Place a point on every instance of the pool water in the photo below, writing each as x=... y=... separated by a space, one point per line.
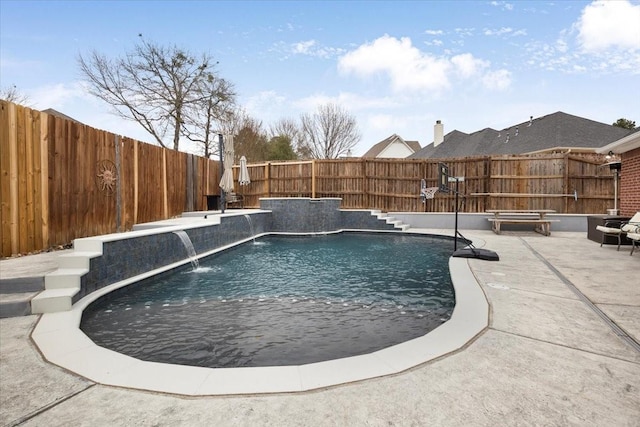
x=282 y=301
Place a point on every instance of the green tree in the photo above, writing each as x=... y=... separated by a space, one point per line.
x=280 y=149
x=624 y=123
x=289 y=128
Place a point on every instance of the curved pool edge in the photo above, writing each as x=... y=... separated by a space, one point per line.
x=61 y=342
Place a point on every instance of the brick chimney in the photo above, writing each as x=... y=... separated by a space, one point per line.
x=438 y=133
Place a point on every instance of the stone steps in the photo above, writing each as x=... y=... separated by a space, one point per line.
x=397 y=224
x=64 y=283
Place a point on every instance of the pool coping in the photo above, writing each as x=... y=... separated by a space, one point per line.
x=61 y=342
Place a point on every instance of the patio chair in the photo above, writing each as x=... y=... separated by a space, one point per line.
x=635 y=239
x=619 y=229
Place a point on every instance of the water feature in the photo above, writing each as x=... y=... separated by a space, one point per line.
x=248 y=217
x=286 y=301
x=188 y=245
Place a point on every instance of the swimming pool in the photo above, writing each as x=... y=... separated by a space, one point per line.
x=101 y=265
x=282 y=300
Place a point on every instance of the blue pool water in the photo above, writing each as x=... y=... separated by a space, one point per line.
x=282 y=301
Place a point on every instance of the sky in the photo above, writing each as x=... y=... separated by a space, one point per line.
x=396 y=66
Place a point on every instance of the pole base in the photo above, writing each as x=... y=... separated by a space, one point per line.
x=483 y=254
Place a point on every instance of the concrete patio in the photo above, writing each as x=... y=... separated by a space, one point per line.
x=561 y=349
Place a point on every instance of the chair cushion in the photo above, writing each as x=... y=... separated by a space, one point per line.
x=631 y=227
x=609 y=230
x=633 y=236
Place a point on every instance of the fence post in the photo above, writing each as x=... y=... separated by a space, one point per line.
x=269 y=179
x=365 y=184
x=313 y=179
x=116 y=141
x=190 y=180
x=164 y=185
x=13 y=180
x=566 y=182
x=44 y=177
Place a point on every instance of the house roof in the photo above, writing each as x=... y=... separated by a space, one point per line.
x=559 y=131
x=628 y=143
x=57 y=113
x=380 y=146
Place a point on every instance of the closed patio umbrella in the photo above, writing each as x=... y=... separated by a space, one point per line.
x=226 y=183
x=243 y=178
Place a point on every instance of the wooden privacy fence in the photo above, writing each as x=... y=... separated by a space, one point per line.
x=61 y=180
x=501 y=182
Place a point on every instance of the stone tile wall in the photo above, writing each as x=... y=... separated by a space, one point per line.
x=129 y=257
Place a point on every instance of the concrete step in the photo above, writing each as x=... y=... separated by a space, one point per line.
x=53 y=300
x=64 y=278
x=16 y=304
x=390 y=220
x=77 y=259
x=18 y=285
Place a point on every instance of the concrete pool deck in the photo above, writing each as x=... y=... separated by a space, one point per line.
x=547 y=358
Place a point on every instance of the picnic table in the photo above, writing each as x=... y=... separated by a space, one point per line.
x=536 y=217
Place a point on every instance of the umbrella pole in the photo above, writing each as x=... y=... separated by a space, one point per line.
x=221 y=147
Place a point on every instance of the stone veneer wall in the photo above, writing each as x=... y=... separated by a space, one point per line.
x=132 y=256
x=129 y=257
x=303 y=215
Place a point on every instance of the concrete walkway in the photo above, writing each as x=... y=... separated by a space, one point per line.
x=561 y=349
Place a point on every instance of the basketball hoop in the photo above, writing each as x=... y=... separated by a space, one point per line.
x=428 y=193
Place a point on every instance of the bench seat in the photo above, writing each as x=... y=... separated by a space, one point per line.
x=543 y=226
x=234 y=200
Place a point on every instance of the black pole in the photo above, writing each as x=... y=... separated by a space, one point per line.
x=455 y=237
x=221 y=147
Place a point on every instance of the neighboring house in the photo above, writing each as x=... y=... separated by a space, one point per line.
x=557 y=132
x=57 y=113
x=628 y=148
x=393 y=147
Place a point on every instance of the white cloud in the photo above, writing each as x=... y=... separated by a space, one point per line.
x=606 y=24
x=348 y=100
x=409 y=69
x=265 y=104
x=406 y=66
x=502 y=4
x=466 y=65
x=434 y=42
x=383 y=122
x=497 y=80
x=504 y=31
x=433 y=32
x=312 y=48
x=499 y=32
x=59 y=96
x=465 y=32
x=303 y=47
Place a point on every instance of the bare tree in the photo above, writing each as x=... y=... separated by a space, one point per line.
x=250 y=139
x=205 y=118
x=330 y=132
x=152 y=85
x=12 y=94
